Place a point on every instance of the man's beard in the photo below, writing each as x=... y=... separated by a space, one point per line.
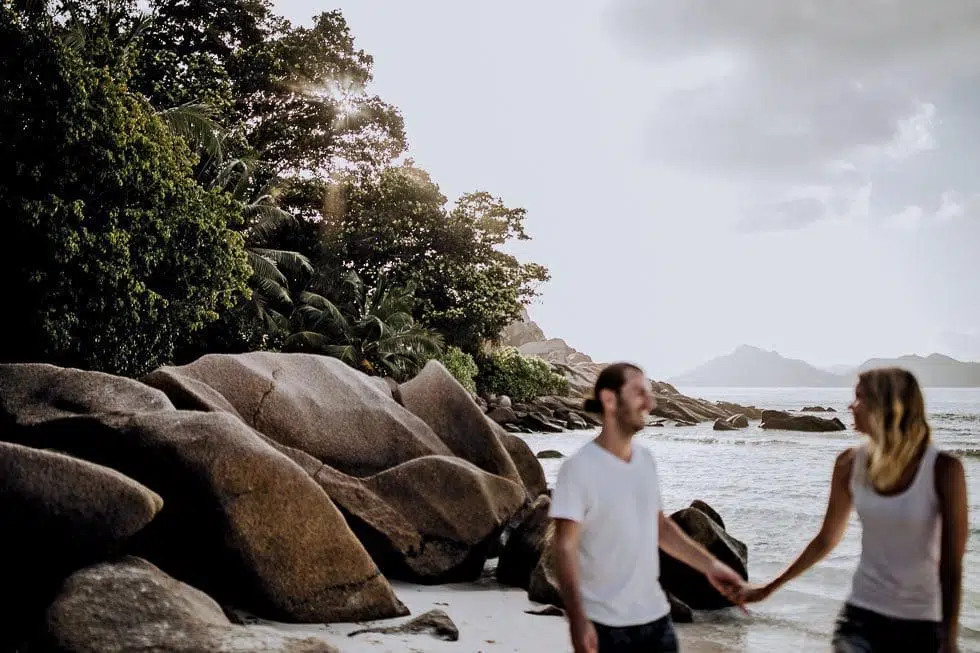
x=625 y=422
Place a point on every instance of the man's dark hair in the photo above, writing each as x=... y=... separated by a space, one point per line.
x=612 y=377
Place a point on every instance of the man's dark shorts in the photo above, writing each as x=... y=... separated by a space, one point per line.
x=654 y=637
x=861 y=631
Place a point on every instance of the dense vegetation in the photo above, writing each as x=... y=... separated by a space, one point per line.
x=208 y=177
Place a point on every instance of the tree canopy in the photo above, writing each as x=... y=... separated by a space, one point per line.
x=210 y=177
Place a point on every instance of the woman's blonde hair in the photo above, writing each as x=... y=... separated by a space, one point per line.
x=897 y=420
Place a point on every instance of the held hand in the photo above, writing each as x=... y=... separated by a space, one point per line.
x=727 y=581
x=756 y=593
x=584 y=638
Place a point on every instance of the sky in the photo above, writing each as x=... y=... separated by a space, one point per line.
x=798 y=175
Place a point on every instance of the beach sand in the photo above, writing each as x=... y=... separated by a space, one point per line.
x=490 y=618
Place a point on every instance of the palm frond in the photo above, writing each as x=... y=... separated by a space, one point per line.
x=265 y=268
x=318 y=342
x=75 y=38
x=234 y=172
x=420 y=341
x=265 y=219
x=292 y=262
x=142 y=23
x=195 y=123
x=270 y=291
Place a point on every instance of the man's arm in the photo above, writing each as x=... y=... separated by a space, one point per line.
x=566 y=568
x=678 y=544
x=951 y=487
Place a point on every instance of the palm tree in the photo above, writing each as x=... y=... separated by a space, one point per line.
x=371 y=329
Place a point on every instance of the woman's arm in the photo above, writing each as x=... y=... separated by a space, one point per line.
x=833 y=528
x=951 y=488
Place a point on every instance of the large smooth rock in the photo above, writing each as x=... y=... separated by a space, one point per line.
x=447 y=408
x=130 y=605
x=723 y=425
x=36 y=392
x=779 y=420
x=689 y=585
x=313 y=403
x=58 y=514
x=530 y=470
x=240 y=521
x=458 y=509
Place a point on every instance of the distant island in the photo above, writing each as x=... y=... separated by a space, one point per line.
x=749 y=366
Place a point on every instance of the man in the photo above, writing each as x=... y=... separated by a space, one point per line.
x=609 y=523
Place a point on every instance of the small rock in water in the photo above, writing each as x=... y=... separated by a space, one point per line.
x=435 y=622
x=550 y=453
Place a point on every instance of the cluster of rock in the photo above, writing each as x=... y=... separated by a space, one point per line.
x=551 y=414
x=139 y=513
x=783 y=421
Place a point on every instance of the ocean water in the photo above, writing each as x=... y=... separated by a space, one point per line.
x=771 y=488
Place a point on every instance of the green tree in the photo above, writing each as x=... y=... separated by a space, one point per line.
x=117 y=254
x=294 y=95
x=370 y=328
x=467 y=287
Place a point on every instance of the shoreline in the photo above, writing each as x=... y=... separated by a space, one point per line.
x=490 y=617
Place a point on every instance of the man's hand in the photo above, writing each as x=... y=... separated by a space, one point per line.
x=584 y=638
x=727 y=581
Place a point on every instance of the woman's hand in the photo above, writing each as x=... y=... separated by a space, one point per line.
x=756 y=593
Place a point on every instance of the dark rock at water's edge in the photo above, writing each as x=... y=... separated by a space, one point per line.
x=527 y=560
x=525 y=545
x=783 y=421
x=680 y=612
x=738 y=421
x=550 y=453
x=817 y=409
x=709 y=511
x=735 y=422
x=689 y=585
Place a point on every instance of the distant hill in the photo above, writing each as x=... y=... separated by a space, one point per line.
x=749 y=366
x=935 y=370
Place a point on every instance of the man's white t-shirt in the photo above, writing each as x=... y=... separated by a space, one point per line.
x=617 y=504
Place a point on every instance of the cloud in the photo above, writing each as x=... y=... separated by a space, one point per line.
x=950 y=206
x=803 y=206
x=831 y=92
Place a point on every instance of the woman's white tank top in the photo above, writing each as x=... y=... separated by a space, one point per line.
x=898 y=575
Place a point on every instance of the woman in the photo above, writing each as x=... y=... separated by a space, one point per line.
x=911 y=500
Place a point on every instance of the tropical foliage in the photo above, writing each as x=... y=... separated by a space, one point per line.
x=115 y=253
x=461 y=365
x=208 y=177
x=505 y=371
x=371 y=329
